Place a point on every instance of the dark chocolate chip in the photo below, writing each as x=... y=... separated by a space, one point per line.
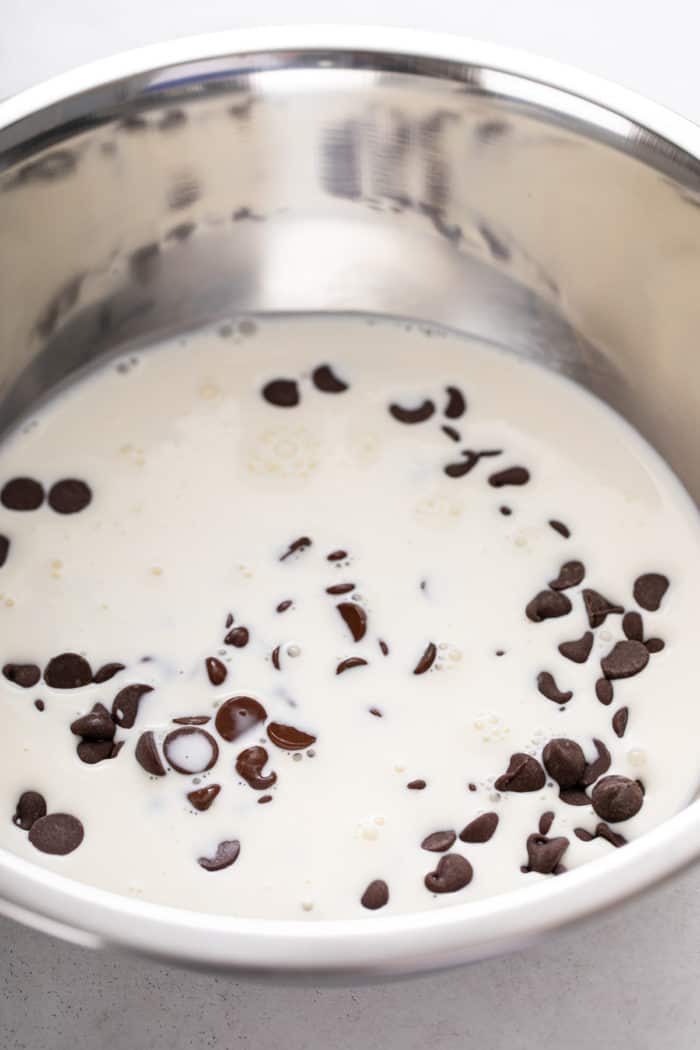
x=413 y=415
x=69 y=496
x=510 y=476
x=297 y=546
x=560 y=527
x=4 y=549
x=116 y=748
x=24 y=675
x=543 y=854
x=598 y=607
x=289 y=738
x=192 y=720
x=226 y=854
x=229 y=616
x=340 y=588
x=355 y=617
x=275 y=657
x=439 y=841
x=202 y=798
x=216 y=670
x=584 y=835
x=654 y=645
x=545 y=822
x=505 y=511
x=93 y=751
x=604 y=832
x=524 y=773
x=471 y=458
x=238 y=715
x=625 y=659
x=578 y=650
x=617 y=798
x=283 y=393
x=481 y=829
x=250 y=764
x=96 y=725
x=549 y=689
x=22 y=494
x=427 y=659
x=352 y=661
x=264 y=799
x=39 y=705
x=453 y=872
x=598 y=767
x=384 y=647
x=416 y=785
x=633 y=626
x=604 y=691
x=376 y=712
x=30 y=808
x=106 y=672
x=147 y=755
x=456 y=405
x=238 y=636
x=565 y=761
x=201 y=750
x=548 y=605
x=325 y=379
x=57 y=833
x=68 y=671
x=125 y=706
x=283 y=606
x=451 y=433
x=649 y=590
x=375 y=896
x=619 y=721
x=575 y=796
x=570 y=575
x=337 y=556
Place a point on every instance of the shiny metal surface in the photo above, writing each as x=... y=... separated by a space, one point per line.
x=426 y=182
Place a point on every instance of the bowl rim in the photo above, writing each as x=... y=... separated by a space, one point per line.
x=373 y=945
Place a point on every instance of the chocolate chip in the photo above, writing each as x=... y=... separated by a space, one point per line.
x=116 y=748
x=584 y=835
x=283 y=393
x=355 y=617
x=505 y=511
x=264 y=799
x=565 y=761
x=549 y=689
x=106 y=672
x=22 y=494
x=649 y=590
x=384 y=647
x=453 y=872
x=190 y=750
x=619 y=721
x=216 y=670
x=598 y=607
x=337 y=556
x=376 y=712
x=559 y=527
x=24 y=675
x=68 y=671
x=545 y=822
x=250 y=764
x=617 y=798
x=297 y=546
x=633 y=626
x=451 y=433
x=226 y=854
x=456 y=405
x=125 y=706
x=510 y=476
x=238 y=636
x=275 y=657
x=4 y=549
x=202 y=798
x=416 y=785
x=283 y=606
x=604 y=691
x=30 y=808
x=96 y=725
x=325 y=379
x=192 y=720
x=578 y=650
x=547 y=605
x=340 y=588
x=524 y=773
x=57 y=833
x=352 y=661
x=625 y=659
x=229 y=616
x=375 y=896
x=481 y=829
x=471 y=458
x=69 y=496
x=147 y=756
x=413 y=415
x=93 y=751
x=427 y=659
x=39 y=705
x=543 y=854
x=600 y=765
x=570 y=575
x=604 y=832
x=575 y=796
x=654 y=645
x=439 y=841
x=289 y=738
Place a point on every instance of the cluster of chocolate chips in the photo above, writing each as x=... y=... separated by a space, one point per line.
x=67 y=496
x=284 y=393
x=55 y=833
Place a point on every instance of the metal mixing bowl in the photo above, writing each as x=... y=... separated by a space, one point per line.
x=354 y=170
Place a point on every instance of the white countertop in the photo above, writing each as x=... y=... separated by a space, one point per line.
x=628 y=980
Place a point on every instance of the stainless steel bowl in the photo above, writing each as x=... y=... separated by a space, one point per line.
x=354 y=170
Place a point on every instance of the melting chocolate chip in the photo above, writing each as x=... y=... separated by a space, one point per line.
x=337 y=556
x=416 y=785
x=604 y=832
x=125 y=706
x=524 y=773
x=654 y=645
x=190 y=750
x=250 y=764
x=325 y=380
x=453 y=872
x=617 y=798
x=633 y=626
x=619 y=721
x=549 y=689
x=570 y=575
x=547 y=605
x=147 y=756
x=545 y=822
x=93 y=751
x=237 y=715
x=544 y=855
x=283 y=393
x=575 y=796
x=649 y=590
x=427 y=659
x=598 y=607
x=340 y=588
x=68 y=671
x=600 y=765
x=24 y=675
x=192 y=720
x=355 y=617
x=22 y=494
x=376 y=895
x=283 y=606
x=238 y=636
x=69 y=496
x=625 y=659
x=289 y=738
x=57 y=833
x=578 y=650
x=456 y=405
x=4 y=549
x=202 y=798
x=297 y=546
x=30 y=808
x=584 y=835
x=451 y=433
x=510 y=476
x=96 y=725
x=559 y=527
x=439 y=841
x=226 y=854
x=413 y=415
x=565 y=761
x=352 y=661
x=106 y=672
x=471 y=458
x=216 y=670
x=481 y=829
x=604 y=691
